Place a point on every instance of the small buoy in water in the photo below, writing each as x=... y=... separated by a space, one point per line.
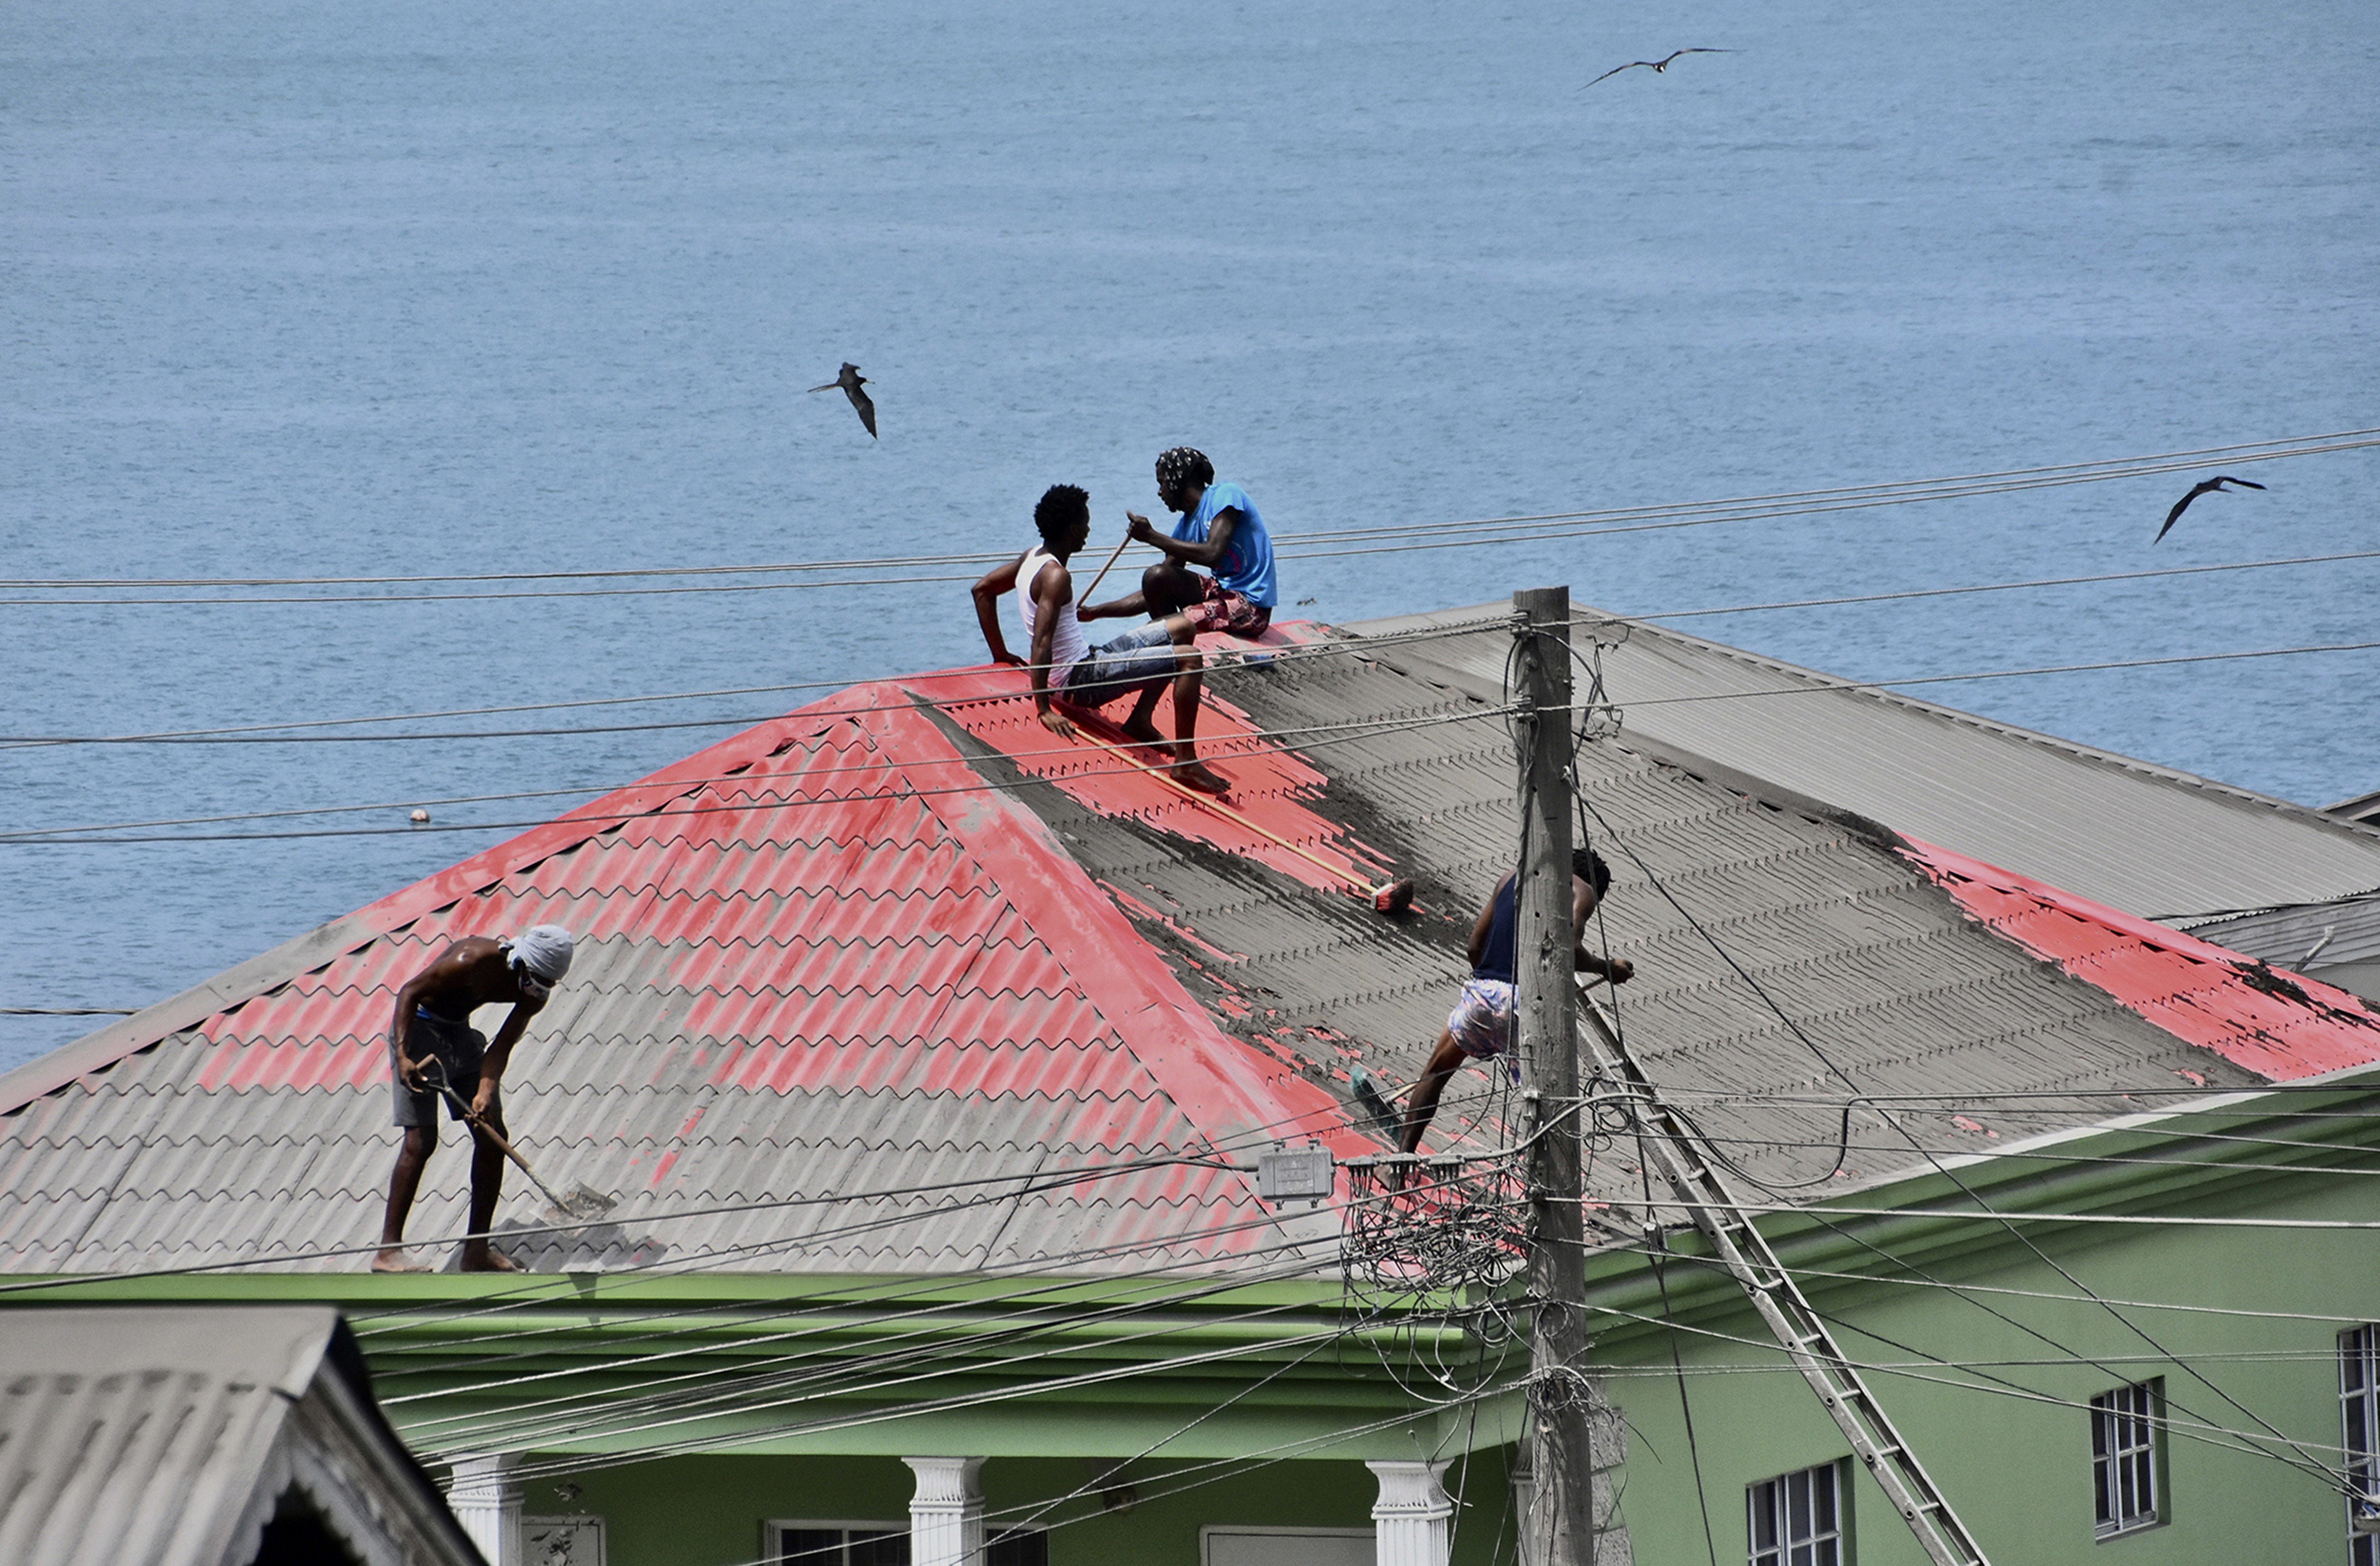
x=420 y=817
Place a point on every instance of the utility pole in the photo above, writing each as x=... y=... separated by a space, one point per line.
x=1560 y=1527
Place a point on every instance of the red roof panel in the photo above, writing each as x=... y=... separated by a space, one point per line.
x=2280 y=1025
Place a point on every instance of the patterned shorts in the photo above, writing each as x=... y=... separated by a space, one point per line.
x=1482 y=1024
x=1224 y=609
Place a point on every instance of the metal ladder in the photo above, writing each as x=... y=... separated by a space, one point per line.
x=1685 y=1163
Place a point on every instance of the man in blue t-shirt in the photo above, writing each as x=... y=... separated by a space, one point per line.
x=1221 y=531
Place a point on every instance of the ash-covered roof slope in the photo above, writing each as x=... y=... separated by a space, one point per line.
x=2148 y=840
x=1759 y=927
x=903 y=983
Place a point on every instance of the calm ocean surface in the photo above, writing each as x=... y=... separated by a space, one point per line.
x=306 y=290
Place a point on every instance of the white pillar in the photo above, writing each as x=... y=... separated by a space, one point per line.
x=946 y=1514
x=486 y=1499
x=1409 y=1519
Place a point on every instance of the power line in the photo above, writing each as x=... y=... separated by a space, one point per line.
x=1225 y=666
x=52 y=837
x=1853 y=496
x=1329 y=735
x=2008 y=587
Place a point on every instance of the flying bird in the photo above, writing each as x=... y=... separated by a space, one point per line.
x=850 y=380
x=2214 y=485
x=1656 y=66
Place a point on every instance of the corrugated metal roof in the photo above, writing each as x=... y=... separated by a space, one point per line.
x=140 y=1434
x=2145 y=839
x=818 y=959
x=823 y=958
x=2311 y=935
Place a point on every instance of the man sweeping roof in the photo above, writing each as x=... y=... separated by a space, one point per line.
x=431 y=1046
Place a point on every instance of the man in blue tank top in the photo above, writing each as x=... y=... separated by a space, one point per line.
x=1481 y=1025
x=1220 y=529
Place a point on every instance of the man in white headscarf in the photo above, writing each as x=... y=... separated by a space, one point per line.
x=432 y=1042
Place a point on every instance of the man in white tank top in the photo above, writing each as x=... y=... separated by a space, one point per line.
x=1142 y=663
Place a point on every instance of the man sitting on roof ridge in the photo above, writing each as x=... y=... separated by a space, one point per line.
x=1064 y=668
x=1481 y=1025
x=434 y=1052
x=1220 y=529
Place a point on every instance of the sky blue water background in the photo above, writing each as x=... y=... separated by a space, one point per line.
x=316 y=289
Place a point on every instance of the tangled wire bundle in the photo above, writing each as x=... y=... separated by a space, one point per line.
x=1434 y=1223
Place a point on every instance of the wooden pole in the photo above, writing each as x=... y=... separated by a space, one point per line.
x=1560 y=1527
x=1104 y=570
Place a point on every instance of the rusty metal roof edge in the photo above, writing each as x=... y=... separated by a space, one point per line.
x=2231 y=792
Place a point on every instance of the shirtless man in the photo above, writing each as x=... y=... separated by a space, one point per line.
x=1481 y=1027
x=431 y=1039
x=1066 y=669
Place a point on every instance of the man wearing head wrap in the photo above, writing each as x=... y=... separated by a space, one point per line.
x=1221 y=531
x=432 y=1041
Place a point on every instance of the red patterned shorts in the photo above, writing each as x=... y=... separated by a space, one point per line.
x=1224 y=609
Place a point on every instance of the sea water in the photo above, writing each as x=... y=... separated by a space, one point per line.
x=307 y=290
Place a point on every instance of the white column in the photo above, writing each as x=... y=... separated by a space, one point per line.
x=1409 y=1519
x=486 y=1500
x=946 y=1514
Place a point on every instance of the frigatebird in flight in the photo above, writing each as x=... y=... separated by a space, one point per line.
x=850 y=380
x=2212 y=486
x=1656 y=66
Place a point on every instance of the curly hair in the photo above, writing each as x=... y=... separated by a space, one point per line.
x=1060 y=507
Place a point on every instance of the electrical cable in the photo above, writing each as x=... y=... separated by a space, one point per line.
x=1224 y=666
x=1847 y=497
x=1240 y=746
x=2001 y=587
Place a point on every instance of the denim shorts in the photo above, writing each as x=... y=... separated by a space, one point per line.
x=1138 y=660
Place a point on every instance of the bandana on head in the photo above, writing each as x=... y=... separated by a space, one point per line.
x=543 y=949
x=1183 y=464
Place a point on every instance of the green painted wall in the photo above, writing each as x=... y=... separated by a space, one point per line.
x=2018 y=1471
x=710 y=1510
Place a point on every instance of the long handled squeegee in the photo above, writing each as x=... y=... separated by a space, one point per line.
x=582 y=1201
x=1389 y=897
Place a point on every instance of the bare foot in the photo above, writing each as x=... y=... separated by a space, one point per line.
x=487 y=1258
x=391 y=1258
x=1142 y=732
x=1196 y=774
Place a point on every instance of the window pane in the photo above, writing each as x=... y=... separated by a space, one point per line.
x=811 y=1546
x=879 y=1549
x=1823 y=1482
x=1018 y=1546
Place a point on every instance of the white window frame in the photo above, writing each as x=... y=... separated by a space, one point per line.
x=773 y=1533
x=2359 y=1420
x=2128 y=1483
x=1824 y=1541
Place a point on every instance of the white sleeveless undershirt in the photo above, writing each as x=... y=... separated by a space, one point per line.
x=1067 y=646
